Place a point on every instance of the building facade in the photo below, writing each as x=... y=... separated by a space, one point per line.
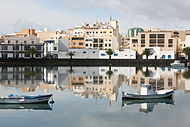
x=100 y=35
x=18 y=47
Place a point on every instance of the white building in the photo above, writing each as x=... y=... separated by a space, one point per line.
x=157 y=53
x=80 y=54
x=125 y=54
x=98 y=54
x=54 y=46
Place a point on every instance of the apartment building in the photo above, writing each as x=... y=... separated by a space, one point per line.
x=25 y=32
x=17 y=47
x=100 y=35
x=44 y=34
x=76 y=42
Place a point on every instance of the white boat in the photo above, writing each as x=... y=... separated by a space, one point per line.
x=25 y=99
x=147 y=92
x=177 y=63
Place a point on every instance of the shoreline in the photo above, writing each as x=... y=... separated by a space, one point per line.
x=86 y=62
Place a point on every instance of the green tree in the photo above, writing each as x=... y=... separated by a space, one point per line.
x=110 y=52
x=71 y=54
x=109 y=72
x=32 y=51
x=186 y=74
x=187 y=51
x=147 y=52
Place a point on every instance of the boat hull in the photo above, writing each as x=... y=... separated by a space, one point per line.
x=21 y=100
x=140 y=97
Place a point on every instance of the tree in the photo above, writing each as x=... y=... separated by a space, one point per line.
x=71 y=54
x=32 y=51
x=147 y=52
x=186 y=74
x=187 y=51
x=109 y=72
x=110 y=52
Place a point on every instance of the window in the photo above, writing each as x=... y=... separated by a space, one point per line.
x=160 y=45
x=9 y=41
x=55 y=48
x=142 y=35
x=15 y=47
x=4 y=55
x=38 y=55
x=170 y=45
x=109 y=45
x=81 y=43
x=170 y=41
x=142 y=45
x=39 y=47
x=103 y=54
x=94 y=52
x=115 y=54
x=4 y=47
x=134 y=40
x=152 y=41
x=86 y=45
x=142 y=41
x=169 y=57
x=161 y=36
x=101 y=40
x=163 y=56
x=161 y=41
x=95 y=45
x=26 y=47
x=84 y=51
x=95 y=40
x=32 y=42
x=25 y=42
x=152 y=35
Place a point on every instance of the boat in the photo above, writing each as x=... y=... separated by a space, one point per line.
x=147 y=92
x=25 y=99
x=37 y=106
x=177 y=63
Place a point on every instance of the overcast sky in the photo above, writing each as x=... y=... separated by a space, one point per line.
x=64 y=14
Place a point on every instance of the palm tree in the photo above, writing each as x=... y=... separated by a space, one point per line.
x=109 y=72
x=187 y=51
x=71 y=54
x=110 y=52
x=186 y=75
x=32 y=51
x=147 y=52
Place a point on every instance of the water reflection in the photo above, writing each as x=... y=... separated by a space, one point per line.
x=26 y=106
x=93 y=82
x=147 y=106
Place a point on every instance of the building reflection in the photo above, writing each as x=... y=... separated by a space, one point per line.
x=93 y=82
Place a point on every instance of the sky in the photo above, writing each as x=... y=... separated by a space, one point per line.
x=65 y=14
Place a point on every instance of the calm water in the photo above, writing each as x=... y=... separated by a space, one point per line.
x=91 y=97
